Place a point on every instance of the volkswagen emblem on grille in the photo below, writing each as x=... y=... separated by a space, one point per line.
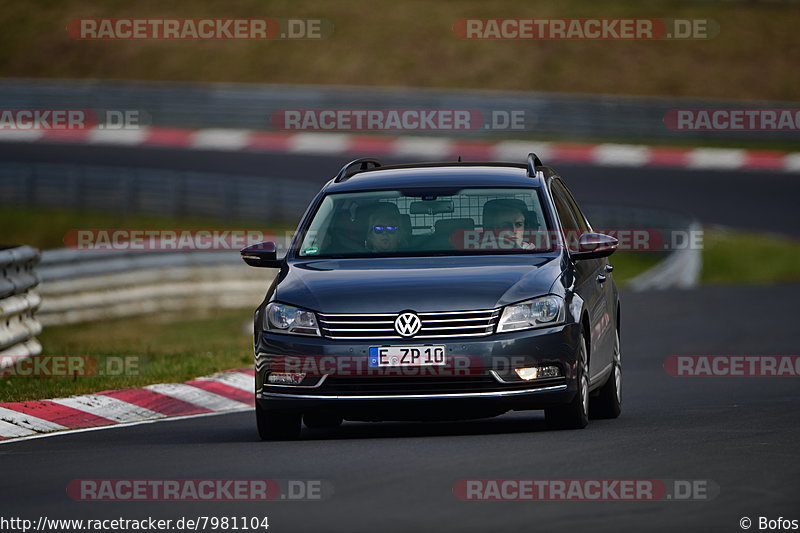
x=407 y=324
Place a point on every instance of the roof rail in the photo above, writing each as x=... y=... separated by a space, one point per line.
x=533 y=162
x=346 y=171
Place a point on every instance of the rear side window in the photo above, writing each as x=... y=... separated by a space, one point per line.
x=572 y=220
x=573 y=205
x=565 y=214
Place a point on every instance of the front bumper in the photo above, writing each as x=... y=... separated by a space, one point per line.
x=485 y=385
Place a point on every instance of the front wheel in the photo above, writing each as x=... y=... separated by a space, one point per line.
x=575 y=414
x=277 y=425
x=608 y=404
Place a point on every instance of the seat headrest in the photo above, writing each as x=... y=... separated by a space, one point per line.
x=449 y=225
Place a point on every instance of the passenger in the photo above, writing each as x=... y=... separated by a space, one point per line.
x=383 y=228
x=506 y=218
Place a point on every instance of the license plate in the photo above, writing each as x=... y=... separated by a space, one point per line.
x=406 y=355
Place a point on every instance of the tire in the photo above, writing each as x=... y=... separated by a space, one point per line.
x=608 y=404
x=573 y=415
x=277 y=425
x=321 y=420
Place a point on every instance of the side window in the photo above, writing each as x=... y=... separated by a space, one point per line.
x=565 y=215
x=573 y=205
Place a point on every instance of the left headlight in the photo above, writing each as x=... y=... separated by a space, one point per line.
x=282 y=318
x=538 y=312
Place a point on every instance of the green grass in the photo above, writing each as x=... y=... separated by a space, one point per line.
x=629 y=264
x=738 y=257
x=166 y=349
x=411 y=43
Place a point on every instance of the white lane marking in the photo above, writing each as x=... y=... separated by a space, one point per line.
x=27 y=421
x=7 y=429
x=711 y=158
x=220 y=139
x=519 y=150
x=124 y=425
x=791 y=162
x=21 y=135
x=128 y=137
x=437 y=148
x=196 y=396
x=628 y=155
x=238 y=380
x=319 y=143
x=108 y=407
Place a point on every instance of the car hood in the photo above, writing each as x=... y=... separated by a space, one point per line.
x=388 y=285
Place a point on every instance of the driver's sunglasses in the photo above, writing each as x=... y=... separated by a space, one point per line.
x=381 y=229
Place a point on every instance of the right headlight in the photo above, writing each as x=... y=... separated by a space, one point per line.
x=538 y=312
x=282 y=318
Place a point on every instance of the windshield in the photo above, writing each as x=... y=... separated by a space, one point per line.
x=390 y=223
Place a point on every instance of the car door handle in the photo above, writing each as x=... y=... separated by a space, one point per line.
x=609 y=268
x=601 y=278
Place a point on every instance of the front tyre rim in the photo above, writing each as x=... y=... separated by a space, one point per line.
x=618 y=370
x=584 y=384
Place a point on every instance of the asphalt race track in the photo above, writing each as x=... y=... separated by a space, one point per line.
x=737 y=434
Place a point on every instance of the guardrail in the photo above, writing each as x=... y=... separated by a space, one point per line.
x=251 y=106
x=18 y=304
x=80 y=286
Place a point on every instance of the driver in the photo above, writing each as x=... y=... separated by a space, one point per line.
x=383 y=228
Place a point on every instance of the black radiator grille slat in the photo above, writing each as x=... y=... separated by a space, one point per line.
x=434 y=325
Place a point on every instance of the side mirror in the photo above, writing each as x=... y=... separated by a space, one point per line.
x=594 y=245
x=263 y=254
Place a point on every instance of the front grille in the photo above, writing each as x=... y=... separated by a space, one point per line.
x=434 y=325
